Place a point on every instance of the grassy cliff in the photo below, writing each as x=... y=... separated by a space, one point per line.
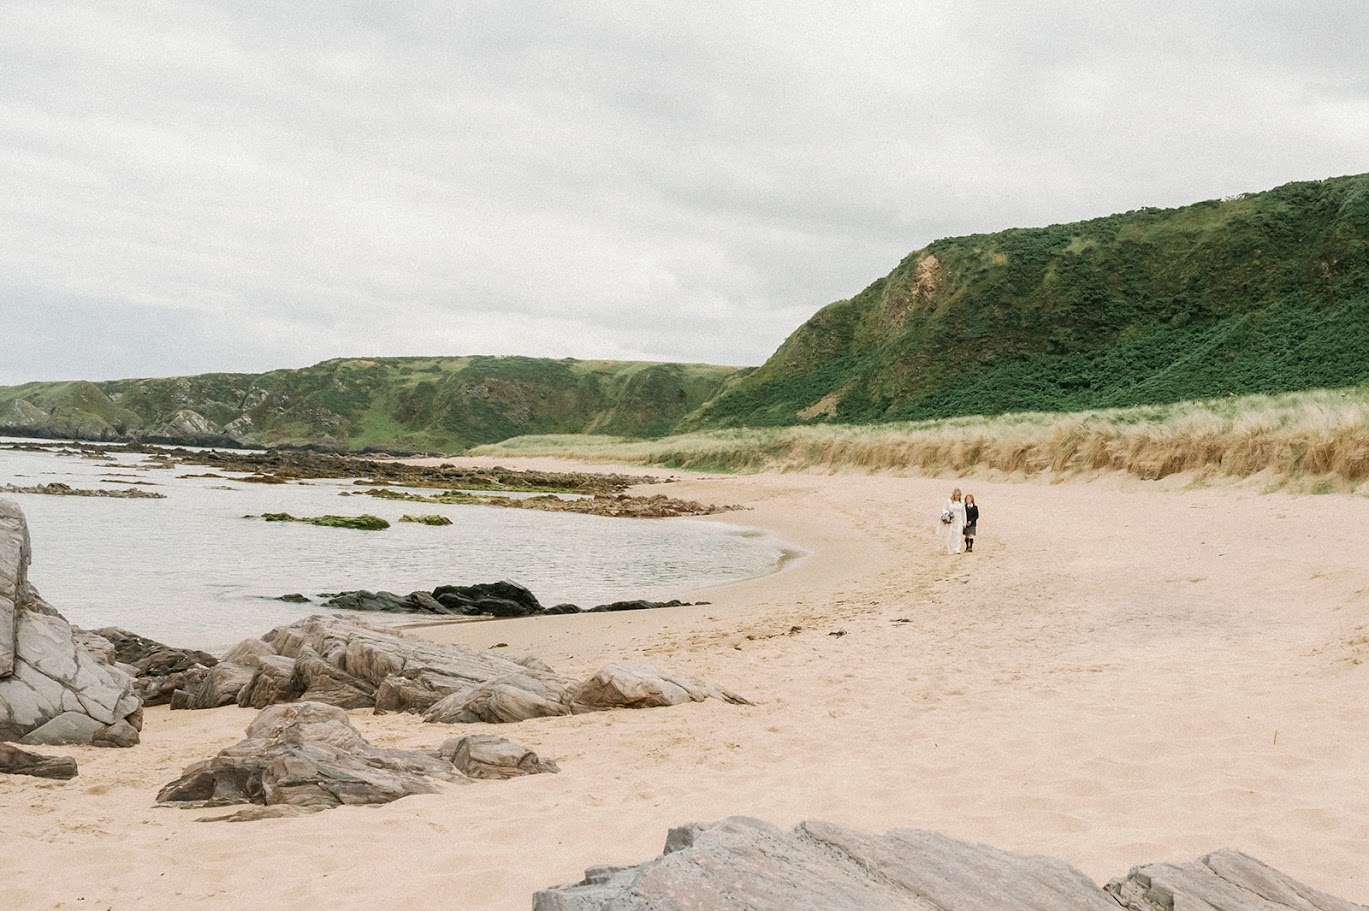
x=415 y=404
x=1259 y=293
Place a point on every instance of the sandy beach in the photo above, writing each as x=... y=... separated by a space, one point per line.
x=1122 y=672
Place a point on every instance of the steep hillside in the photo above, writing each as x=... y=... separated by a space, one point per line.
x=1258 y=293
x=414 y=404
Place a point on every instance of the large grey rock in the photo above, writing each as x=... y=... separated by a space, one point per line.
x=818 y=866
x=14 y=761
x=512 y=697
x=306 y=755
x=491 y=756
x=633 y=685
x=746 y=863
x=14 y=561
x=414 y=673
x=1222 y=880
x=54 y=691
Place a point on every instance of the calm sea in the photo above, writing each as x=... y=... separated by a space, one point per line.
x=191 y=571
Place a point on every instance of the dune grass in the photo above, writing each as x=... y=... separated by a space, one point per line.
x=1319 y=439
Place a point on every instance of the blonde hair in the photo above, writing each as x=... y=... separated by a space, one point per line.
x=955 y=494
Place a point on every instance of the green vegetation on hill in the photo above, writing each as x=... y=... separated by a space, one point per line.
x=414 y=404
x=1260 y=293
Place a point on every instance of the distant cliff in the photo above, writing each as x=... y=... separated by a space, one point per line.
x=398 y=404
x=1265 y=292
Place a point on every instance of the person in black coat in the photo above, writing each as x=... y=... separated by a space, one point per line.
x=971 y=517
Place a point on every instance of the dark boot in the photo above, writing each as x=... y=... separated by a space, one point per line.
x=969 y=545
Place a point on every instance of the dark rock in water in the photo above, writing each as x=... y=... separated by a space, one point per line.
x=307 y=755
x=14 y=761
x=485 y=599
x=389 y=602
x=498 y=599
x=819 y=866
x=634 y=605
x=294 y=598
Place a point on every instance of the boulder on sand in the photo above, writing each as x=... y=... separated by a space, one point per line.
x=633 y=685
x=305 y=755
x=14 y=761
x=817 y=866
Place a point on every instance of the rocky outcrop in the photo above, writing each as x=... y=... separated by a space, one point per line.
x=1224 y=879
x=484 y=599
x=348 y=664
x=158 y=670
x=307 y=756
x=14 y=761
x=817 y=866
x=52 y=691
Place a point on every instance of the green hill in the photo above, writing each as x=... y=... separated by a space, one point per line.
x=1259 y=293
x=412 y=404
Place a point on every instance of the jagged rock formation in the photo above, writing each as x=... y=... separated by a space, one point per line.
x=307 y=756
x=52 y=690
x=352 y=665
x=818 y=866
x=157 y=669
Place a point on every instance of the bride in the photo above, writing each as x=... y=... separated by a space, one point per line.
x=953 y=522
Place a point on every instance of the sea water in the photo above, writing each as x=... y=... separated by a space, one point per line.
x=191 y=570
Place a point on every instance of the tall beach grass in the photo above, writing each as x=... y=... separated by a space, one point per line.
x=1320 y=436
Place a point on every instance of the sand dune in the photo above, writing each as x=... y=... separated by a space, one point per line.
x=1121 y=673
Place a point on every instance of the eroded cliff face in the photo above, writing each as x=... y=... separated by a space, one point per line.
x=52 y=690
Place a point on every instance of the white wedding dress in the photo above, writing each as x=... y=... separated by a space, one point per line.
x=954 y=533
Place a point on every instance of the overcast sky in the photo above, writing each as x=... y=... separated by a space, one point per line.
x=240 y=186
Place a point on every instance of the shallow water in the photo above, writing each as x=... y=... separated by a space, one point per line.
x=190 y=570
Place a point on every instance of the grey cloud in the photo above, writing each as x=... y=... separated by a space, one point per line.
x=280 y=183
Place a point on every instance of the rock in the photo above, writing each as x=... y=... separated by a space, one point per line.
x=158 y=670
x=746 y=863
x=306 y=755
x=221 y=685
x=512 y=697
x=423 y=671
x=816 y=866
x=1224 y=879
x=388 y=602
x=497 y=599
x=315 y=680
x=273 y=682
x=490 y=756
x=51 y=689
x=634 y=605
x=248 y=652
x=633 y=685
x=14 y=761
x=294 y=598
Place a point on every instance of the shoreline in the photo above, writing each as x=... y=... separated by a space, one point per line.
x=1123 y=672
